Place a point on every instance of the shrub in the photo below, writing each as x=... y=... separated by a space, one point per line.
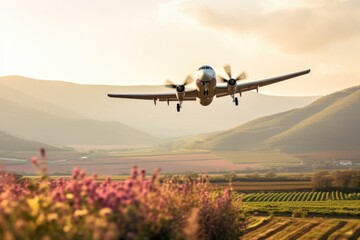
x=298 y=213
x=137 y=208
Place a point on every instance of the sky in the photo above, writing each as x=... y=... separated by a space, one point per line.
x=146 y=42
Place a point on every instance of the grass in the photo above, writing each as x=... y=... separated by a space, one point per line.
x=265 y=158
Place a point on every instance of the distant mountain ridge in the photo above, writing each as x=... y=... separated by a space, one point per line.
x=330 y=123
x=76 y=101
x=28 y=123
x=11 y=143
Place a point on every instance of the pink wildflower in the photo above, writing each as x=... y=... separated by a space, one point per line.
x=34 y=160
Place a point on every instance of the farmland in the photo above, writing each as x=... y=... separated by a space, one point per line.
x=300 y=196
x=302 y=228
x=257 y=205
x=186 y=206
x=320 y=203
x=267 y=186
x=348 y=208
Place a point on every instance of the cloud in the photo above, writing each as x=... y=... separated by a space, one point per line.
x=295 y=26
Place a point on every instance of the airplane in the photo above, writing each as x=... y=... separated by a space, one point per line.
x=207 y=88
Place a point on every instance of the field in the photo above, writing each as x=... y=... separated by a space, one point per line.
x=332 y=208
x=302 y=228
x=172 y=203
x=243 y=186
x=106 y=163
x=269 y=159
x=182 y=207
x=301 y=196
x=117 y=160
x=323 y=203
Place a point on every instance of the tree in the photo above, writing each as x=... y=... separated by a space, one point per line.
x=342 y=179
x=322 y=180
x=347 y=179
x=230 y=176
x=355 y=181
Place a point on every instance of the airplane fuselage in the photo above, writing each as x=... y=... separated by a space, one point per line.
x=205 y=80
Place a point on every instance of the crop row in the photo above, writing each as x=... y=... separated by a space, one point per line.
x=300 y=196
x=319 y=207
x=309 y=228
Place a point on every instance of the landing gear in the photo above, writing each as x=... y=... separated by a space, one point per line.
x=179 y=106
x=235 y=100
x=206 y=91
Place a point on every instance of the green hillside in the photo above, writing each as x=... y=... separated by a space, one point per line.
x=335 y=127
x=329 y=123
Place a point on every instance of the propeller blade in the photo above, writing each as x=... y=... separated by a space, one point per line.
x=189 y=79
x=227 y=69
x=221 y=79
x=170 y=84
x=242 y=76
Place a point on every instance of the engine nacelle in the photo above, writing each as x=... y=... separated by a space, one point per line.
x=231 y=86
x=180 y=93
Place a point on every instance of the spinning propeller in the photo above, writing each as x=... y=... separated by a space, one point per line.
x=232 y=81
x=180 y=87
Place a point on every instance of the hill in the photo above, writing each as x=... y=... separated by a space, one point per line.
x=335 y=127
x=77 y=101
x=331 y=123
x=11 y=143
x=58 y=129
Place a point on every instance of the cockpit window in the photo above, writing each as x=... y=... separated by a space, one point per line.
x=205 y=67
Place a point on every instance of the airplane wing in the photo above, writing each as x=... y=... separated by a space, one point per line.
x=244 y=86
x=189 y=96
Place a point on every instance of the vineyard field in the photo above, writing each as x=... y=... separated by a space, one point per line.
x=327 y=203
x=302 y=228
x=351 y=207
x=243 y=186
x=300 y=196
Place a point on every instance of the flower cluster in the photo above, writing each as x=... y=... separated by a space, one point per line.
x=82 y=207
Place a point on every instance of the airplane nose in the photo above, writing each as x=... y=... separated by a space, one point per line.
x=200 y=74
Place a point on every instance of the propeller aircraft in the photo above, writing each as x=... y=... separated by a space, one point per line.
x=207 y=88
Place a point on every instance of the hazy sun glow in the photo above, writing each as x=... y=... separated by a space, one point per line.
x=146 y=42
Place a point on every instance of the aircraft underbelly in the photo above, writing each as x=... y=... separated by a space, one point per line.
x=205 y=101
x=206 y=97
